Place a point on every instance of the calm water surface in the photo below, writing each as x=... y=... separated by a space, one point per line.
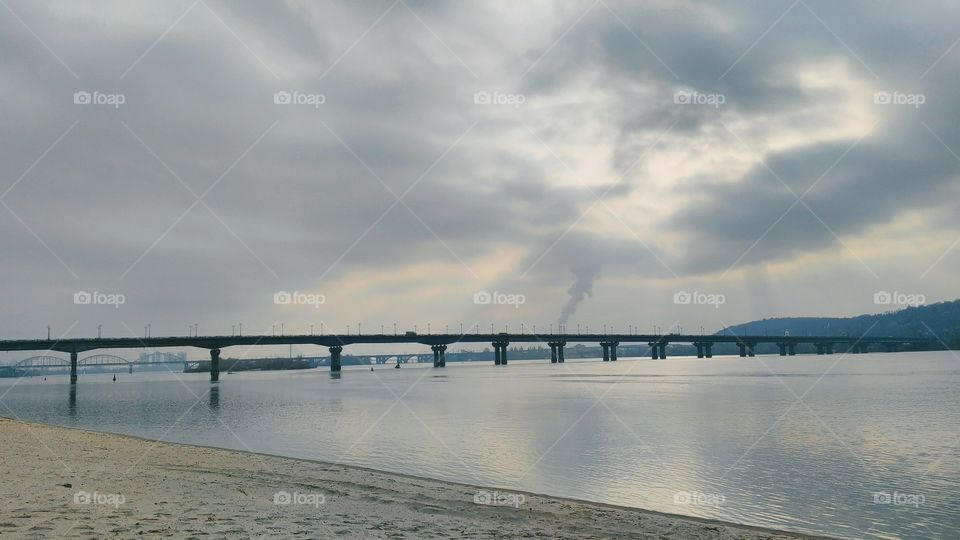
x=724 y=438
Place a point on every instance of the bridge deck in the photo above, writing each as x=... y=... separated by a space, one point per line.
x=71 y=345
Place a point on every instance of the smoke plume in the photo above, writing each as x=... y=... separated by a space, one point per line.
x=582 y=288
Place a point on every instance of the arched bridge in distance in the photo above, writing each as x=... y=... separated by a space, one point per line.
x=438 y=344
x=48 y=362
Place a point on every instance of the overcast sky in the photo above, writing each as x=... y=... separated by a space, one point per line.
x=592 y=159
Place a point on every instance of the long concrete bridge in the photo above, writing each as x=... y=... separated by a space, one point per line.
x=438 y=343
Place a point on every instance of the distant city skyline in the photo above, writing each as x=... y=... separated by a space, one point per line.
x=194 y=166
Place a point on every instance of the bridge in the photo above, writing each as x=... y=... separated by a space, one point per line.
x=438 y=344
x=55 y=363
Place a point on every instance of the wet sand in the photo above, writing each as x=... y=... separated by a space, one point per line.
x=60 y=482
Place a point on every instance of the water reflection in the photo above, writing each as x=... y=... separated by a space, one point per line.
x=214 y=398
x=72 y=404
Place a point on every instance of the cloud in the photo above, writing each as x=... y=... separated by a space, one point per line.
x=300 y=197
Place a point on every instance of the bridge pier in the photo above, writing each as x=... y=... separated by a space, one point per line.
x=783 y=348
x=130 y=368
x=553 y=352
x=613 y=351
x=606 y=351
x=699 y=347
x=820 y=348
x=439 y=355
x=743 y=350
x=335 y=359
x=654 y=352
x=750 y=347
x=792 y=349
x=708 y=349
x=73 y=367
x=864 y=347
x=663 y=351
x=214 y=365
x=829 y=348
x=560 y=346
x=500 y=353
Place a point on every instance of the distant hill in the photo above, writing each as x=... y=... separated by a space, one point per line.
x=935 y=320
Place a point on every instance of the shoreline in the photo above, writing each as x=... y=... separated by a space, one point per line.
x=79 y=483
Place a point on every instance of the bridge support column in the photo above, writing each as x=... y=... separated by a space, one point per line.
x=750 y=347
x=436 y=355
x=500 y=353
x=743 y=350
x=613 y=351
x=553 y=353
x=214 y=365
x=864 y=347
x=560 y=347
x=783 y=348
x=654 y=350
x=663 y=351
x=792 y=349
x=829 y=348
x=699 y=347
x=73 y=368
x=130 y=368
x=606 y=351
x=443 y=356
x=708 y=349
x=335 y=359
x=820 y=348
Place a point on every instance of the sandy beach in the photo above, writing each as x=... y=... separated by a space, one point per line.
x=70 y=483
